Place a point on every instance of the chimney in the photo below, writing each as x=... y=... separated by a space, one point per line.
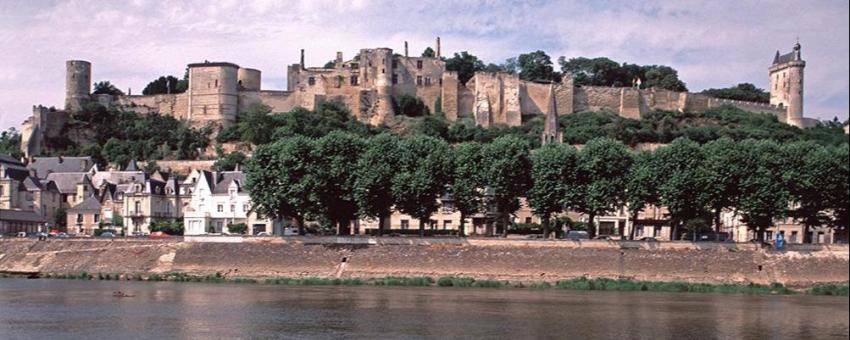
x=302 y=59
x=438 y=47
x=339 y=58
x=405 y=49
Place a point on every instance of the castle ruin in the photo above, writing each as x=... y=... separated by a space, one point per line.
x=219 y=91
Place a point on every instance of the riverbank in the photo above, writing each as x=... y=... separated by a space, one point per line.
x=365 y=260
x=581 y=284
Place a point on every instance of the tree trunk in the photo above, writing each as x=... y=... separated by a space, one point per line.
x=460 y=231
x=381 y=225
x=717 y=220
x=807 y=234
x=591 y=229
x=634 y=226
x=545 y=221
x=421 y=227
x=674 y=231
x=760 y=234
x=505 y=223
x=300 y=223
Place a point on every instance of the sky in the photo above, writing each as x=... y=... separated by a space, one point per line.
x=129 y=43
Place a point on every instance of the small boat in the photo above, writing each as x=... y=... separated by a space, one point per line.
x=121 y=294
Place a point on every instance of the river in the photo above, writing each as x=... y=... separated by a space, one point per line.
x=68 y=309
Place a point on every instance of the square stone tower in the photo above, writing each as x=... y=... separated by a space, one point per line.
x=786 y=84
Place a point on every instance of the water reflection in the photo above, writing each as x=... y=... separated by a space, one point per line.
x=39 y=309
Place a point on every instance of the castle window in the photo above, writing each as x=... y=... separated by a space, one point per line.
x=355 y=66
x=79 y=218
x=216 y=83
x=383 y=71
x=220 y=208
x=395 y=78
x=232 y=208
x=395 y=63
x=418 y=80
x=96 y=218
x=427 y=81
x=311 y=81
x=419 y=64
x=354 y=80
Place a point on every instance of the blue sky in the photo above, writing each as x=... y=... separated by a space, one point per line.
x=711 y=43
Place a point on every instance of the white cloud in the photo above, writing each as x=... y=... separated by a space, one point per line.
x=712 y=44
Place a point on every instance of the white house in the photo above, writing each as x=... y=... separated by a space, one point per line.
x=219 y=199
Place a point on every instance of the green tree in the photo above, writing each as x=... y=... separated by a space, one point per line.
x=743 y=91
x=334 y=165
x=764 y=195
x=553 y=173
x=410 y=106
x=807 y=175
x=229 y=161
x=507 y=168
x=256 y=125
x=373 y=178
x=423 y=171
x=105 y=87
x=664 y=77
x=279 y=179
x=597 y=72
x=10 y=143
x=60 y=218
x=602 y=168
x=467 y=181
x=164 y=85
x=537 y=66
x=429 y=52
x=641 y=188
x=465 y=65
x=720 y=177
x=837 y=191
x=679 y=165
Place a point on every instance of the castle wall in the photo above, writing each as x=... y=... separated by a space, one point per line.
x=749 y=107
x=450 y=95
x=423 y=82
x=176 y=105
x=278 y=101
x=597 y=98
x=466 y=100
x=497 y=99
x=249 y=79
x=533 y=98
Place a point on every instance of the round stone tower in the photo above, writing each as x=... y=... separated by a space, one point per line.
x=786 y=84
x=249 y=79
x=383 y=84
x=77 y=84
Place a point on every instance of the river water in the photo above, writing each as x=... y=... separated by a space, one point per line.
x=68 y=309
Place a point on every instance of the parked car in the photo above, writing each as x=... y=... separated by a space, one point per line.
x=577 y=235
x=264 y=233
x=107 y=234
x=22 y=234
x=157 y=234
x=603 y=237
x=62 y=235
x=648 y=239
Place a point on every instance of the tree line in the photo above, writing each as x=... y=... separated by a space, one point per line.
x=341 y=176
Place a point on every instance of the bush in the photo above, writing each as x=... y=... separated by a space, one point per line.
x=830 y=289
x=410 y=106
x=238 y=228
x=452 y=281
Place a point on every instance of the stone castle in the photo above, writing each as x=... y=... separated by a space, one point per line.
x=367 y=84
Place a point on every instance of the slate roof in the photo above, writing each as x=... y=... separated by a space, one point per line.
x=44 y=166
x=784 y=58
x=225 y=179
x=89 y=204
x=20 y=216
x=66 y=182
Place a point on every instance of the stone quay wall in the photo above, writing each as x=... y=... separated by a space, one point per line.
x=514 y=260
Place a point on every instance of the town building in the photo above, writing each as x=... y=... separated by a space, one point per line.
x=219 y=199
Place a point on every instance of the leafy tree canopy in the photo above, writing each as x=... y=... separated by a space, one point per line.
x=537 y=66
x=105 y=87
x=744 y=91
x=465 y=65
x=166 y=84
x=10 y=143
